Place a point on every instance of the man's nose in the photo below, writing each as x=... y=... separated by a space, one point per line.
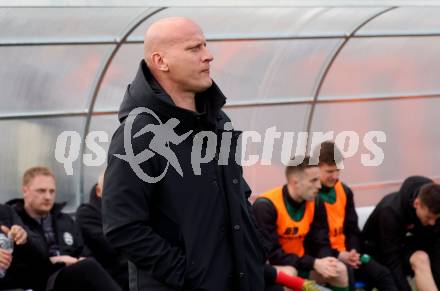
x=208 y=57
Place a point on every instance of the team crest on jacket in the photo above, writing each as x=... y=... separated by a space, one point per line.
x=68 y=238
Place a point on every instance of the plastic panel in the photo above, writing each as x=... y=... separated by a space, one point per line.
x=382 y=67
x=108 y=124
x=404 y=20
x=64 y=24
x=285 y=118
x=411 y=145
x=236 y=22
x=48 y=78
x=32 y=142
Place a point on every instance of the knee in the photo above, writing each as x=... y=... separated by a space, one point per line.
x=89 y=264
x=419 y=259
x=342 y=273
x=341 y=268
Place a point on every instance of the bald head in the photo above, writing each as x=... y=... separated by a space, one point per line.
x=178 y=58
x=165 y=33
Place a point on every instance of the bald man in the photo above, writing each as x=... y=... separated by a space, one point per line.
x=184 y=225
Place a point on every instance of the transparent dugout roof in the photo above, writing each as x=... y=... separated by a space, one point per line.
x=80 y=24
x=220 y=23
x=270 y=62
x=404 y=21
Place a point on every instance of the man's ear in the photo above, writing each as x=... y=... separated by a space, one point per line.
x=416 y=202
x=98 y=190
x=158 y=61
x=293 y=180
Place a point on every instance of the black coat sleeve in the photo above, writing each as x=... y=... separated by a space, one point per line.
x=317 y=240
x=351 y=227
x=266 y=216
x=126 y=216
x=29 y=263
x=391 y=239
x=270 y=275
x=30 y=249
x=8 y=217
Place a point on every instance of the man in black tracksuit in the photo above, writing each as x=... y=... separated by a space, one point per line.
x=89 y=219
x=183 y=222
x=401 y=233
x=58 y=261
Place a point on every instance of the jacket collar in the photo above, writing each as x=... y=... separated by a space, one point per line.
x=18 y=205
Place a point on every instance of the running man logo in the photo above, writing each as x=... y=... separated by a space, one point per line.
x=163 y=135
x=209 y=145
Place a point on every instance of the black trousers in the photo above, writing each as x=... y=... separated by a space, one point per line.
x=141 y=281
x=274 y=288
x=374 y=275
x=85 y=275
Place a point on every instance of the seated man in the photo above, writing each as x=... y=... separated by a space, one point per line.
x=56 y=240
x=342 y=221
x=293 y=223
x=89 y=219
x=401 y=233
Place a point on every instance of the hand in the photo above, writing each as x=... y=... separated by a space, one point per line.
x=5 y=259
x=16 y=233
x=351 y=258
x=288 y=270
x=68 y=260
x=326 y=267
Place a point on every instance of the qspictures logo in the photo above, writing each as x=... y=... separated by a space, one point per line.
x=163 y=135
x=207 y=144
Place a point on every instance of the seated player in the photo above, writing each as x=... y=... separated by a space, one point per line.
x=342 y=221
x=403 y=233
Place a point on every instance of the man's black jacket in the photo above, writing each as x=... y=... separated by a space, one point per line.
x=89 y=219
x=394 y=225
x=68 y=235
x=193 y=232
